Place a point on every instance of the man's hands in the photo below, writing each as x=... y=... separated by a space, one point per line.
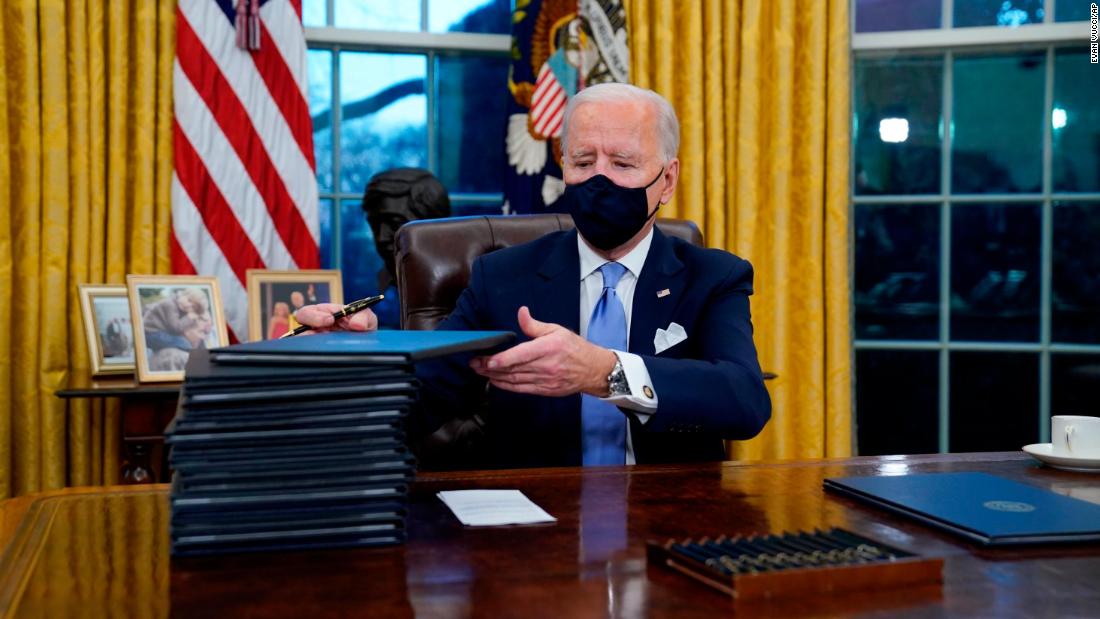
x=320 y=318
x=555 y=362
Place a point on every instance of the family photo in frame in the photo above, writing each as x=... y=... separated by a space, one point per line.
x=173 y=315
x=110 y=334
x=274 y=296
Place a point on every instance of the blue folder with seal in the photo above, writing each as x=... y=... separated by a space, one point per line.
x=988 y=509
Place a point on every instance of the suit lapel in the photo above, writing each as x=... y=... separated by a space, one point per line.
x=556 y=298
x=557 y=293
x=650 y=311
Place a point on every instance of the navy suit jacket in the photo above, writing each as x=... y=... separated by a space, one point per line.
x=709 y=386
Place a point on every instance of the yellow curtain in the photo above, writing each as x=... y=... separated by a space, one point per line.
x=85 y=167
x=762 y=90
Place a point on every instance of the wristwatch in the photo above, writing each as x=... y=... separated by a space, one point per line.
x=616 y=380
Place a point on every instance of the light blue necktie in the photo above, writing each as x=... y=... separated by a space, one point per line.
x=603 y=425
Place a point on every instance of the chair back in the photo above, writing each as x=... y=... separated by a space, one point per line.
x=434 y=257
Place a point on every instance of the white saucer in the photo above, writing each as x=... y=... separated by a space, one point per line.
x=1043 y=453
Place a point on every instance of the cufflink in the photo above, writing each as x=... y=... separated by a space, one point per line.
x=647 y=391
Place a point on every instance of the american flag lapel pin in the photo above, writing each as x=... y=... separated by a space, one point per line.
x=663 y=293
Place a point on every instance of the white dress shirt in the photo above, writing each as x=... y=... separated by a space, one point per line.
x=637 y=375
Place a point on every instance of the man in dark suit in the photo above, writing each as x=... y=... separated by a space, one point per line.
x=634 y=347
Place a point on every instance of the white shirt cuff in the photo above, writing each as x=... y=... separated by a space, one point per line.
x=642 y=398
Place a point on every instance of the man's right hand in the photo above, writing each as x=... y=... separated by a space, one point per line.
x=320 y=318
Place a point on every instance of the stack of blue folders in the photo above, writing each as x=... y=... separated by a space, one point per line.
x=299 y=443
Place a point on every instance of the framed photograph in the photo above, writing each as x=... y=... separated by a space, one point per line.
x=274 y=296
x=173 y=315
x=107 y=325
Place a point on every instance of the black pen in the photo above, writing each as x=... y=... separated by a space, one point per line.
x=347 y=310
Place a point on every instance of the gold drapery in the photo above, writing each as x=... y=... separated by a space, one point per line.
x=85 y=169
x=762 y=91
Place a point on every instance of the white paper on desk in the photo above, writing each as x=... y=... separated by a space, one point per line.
x=486 y=508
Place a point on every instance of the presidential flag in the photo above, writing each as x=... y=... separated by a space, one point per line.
x=558 y=47
x=244 y=193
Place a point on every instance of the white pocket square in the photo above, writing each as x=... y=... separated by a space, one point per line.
x=667 y=338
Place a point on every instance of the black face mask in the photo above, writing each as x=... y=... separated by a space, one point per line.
x=606 y=214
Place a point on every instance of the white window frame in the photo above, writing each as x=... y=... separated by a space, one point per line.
x=430 y=44
x=945 y=42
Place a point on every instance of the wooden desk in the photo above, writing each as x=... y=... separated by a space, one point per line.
x=145 y=410
x=94 y=552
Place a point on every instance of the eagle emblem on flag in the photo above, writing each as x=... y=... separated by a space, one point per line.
x=558 y=48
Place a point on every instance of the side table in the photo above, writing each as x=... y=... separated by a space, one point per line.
x=145 y=411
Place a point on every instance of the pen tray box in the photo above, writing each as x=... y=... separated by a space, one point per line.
x=781 y=566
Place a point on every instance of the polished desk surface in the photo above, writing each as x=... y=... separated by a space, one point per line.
x=104 y=551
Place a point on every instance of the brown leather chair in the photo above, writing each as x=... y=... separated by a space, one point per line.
x=434 y=257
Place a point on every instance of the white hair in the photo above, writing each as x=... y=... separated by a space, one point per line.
x=668 y=127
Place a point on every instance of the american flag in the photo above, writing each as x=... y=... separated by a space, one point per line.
x=547 y=105
x=244 y=193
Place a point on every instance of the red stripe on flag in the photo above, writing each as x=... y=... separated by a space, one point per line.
x=543 y=89
x=553 y=130
x=216 y=92
x=552 y=92
x=557 y=106
x=220 y=221
x=558 y=111
x=284 y=89
x=297 y=4
x=552 y=108
x=181 y=264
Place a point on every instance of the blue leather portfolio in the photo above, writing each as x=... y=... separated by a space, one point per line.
x=985 y=508
x=299 y=443
x=362 y=347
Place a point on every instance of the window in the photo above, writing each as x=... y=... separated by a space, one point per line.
x=403 y=83
x=976 y=209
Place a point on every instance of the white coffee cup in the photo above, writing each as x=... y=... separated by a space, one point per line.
x=1075 y=436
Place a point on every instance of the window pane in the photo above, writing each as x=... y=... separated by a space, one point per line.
x=1076 y=273
x=359 y=261
x=328 y=249
x=384 y=115
x=897 y=402
x=319 y=68
x=1076 y=122
x=995 y=272
x=378 y=14
x=883 y=15
x=1074 y=383
x=473 y=94
x=997 y=124
x=1072 y=10
x=998 y=12
x=994 y=401
x=314 y=13
x=897 y=125
x=489 y=16
x=897 y=271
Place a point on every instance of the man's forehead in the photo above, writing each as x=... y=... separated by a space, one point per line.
x=622 y=128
